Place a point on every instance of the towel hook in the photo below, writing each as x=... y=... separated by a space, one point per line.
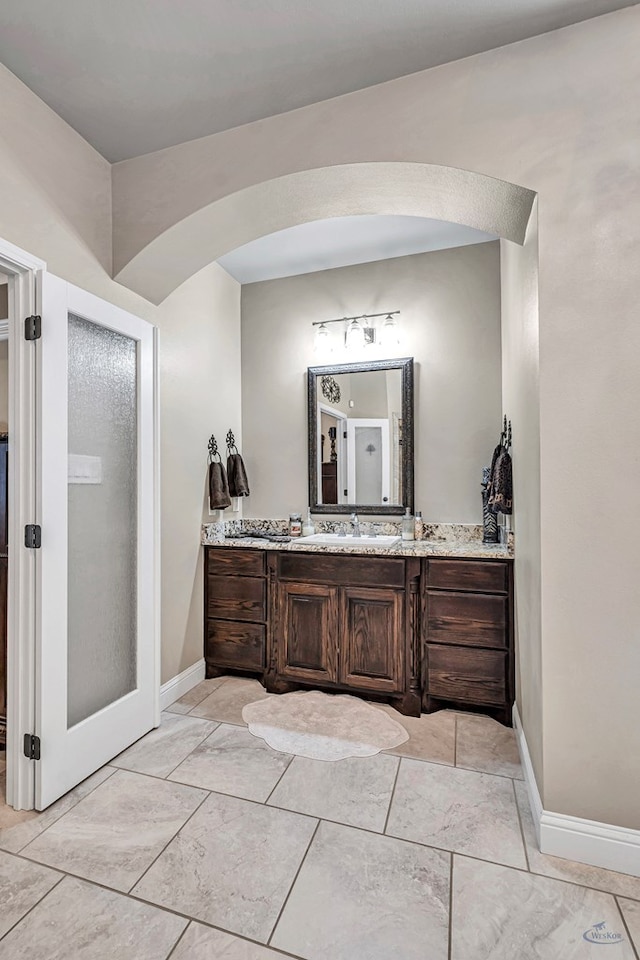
x=231 y=443
x=213 y=449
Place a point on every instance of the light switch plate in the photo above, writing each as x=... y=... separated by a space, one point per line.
x=84 y=469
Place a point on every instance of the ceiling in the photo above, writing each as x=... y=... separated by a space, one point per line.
x=342 y=241
x=133 y=76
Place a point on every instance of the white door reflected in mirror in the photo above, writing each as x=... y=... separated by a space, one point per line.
x=368 y=467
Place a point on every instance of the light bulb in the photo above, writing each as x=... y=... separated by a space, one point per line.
x=322 y=340
x=389 y=334
x=355 y=336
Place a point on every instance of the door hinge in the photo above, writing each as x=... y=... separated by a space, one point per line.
x=31 y=746
x=33 y=327
x=33 y=536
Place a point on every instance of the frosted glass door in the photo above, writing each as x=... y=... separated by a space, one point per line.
x=97 y=656
x=102 y=379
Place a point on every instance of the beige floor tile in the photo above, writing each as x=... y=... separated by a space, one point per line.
x=117 y=831
x=484 y=744
x=20 y=827
x=231 y=866
x=203 y=943
x=354 y=791
x=233 y=761
x=365 y=897
x=503 y=914
x=195 y=696
x=22 y=884
x=597 y=877
x=227 y=701
x=458 y=810
x=631 y=913
x=164 y=748
x=431 y=736
x=79 y=921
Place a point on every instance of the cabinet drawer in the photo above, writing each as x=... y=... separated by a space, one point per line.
x=458 y=673
x=341 y=570
x=478 y=619
x=235 y=562
x=232 y=644
x=489 y=576
x=236 y=598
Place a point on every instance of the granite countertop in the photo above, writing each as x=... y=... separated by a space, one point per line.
x=420 y=548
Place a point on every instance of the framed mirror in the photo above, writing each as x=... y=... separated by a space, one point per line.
x=361 y=437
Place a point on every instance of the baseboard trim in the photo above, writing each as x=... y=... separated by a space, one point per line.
x=175 y=688
x=535 y=801
x=574 y=838
x=588 y=841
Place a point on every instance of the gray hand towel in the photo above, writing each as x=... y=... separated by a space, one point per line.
x=501 y=484
x=218 y=487
x=238 y=483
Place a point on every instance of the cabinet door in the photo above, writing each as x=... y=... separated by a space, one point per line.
x=372 y=639
x=307 y=632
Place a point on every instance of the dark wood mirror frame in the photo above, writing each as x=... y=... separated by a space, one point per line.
x=405 y=365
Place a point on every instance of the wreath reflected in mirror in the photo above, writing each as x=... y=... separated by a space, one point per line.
x=330 y=389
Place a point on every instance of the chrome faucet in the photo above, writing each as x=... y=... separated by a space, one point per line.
x=355 y=525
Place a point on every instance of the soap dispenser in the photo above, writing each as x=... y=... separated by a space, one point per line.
x=408 y=526
x=308 y=527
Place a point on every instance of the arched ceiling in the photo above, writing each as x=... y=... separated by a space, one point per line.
x=390 y=189
x=342 y=241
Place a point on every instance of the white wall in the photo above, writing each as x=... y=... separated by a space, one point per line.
x=55 y=202
x=521 y=401
x=450 y=303
x=200 y=395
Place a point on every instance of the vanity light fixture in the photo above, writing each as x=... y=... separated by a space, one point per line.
x=359 y=331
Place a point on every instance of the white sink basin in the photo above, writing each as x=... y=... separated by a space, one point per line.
x=334 y=539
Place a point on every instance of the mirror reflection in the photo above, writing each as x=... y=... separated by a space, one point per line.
x=359 y=437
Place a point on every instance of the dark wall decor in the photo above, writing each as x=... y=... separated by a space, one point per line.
x=330 y=389
x=406 y=484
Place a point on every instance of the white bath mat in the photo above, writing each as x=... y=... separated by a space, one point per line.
x=323 y=726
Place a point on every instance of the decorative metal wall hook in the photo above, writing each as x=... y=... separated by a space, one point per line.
x=213 y=449
x=231 y=443
x=505 y=436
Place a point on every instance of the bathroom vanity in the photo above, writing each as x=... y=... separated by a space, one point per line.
x=411 y=626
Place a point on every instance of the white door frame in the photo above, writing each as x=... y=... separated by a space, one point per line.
x=342 y=451
x=21 y=268
x=25 y=300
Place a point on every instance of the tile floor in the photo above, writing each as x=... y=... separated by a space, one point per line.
x=200 y=842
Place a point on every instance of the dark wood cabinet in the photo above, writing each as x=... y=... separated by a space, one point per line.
x=307 y=627
x=329 y=482
x=330 y=629
x=235 y=610
x=371 y=639
x=469 y=659
x=420 y=634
